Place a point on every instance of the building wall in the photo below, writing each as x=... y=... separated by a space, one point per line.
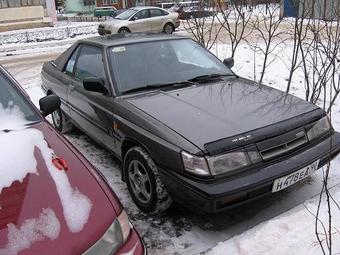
x=78 y=6
x=332 y=10
x=23 y=15
x=16 y=14
x=317 y=9
x=84 y=6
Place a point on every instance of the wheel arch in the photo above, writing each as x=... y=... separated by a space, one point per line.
x=124 y=28
x=49 y=92
x=169 y=23
x=127 y=144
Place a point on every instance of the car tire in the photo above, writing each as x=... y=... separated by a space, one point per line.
x=168 y=28
x=144 y=184
x=61 y=121
x=123 y=30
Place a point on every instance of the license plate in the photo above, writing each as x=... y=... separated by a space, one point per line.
x=292 y=178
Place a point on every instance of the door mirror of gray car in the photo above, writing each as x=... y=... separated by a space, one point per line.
x=49 y=104
x=95 y=84
x=229 y=62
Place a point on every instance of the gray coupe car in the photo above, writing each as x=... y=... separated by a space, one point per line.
x=186 y=127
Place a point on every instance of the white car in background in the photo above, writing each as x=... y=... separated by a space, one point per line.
x=141 y=19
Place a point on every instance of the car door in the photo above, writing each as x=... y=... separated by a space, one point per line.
x=92 y=111
x=157 y=20
x=140 y=22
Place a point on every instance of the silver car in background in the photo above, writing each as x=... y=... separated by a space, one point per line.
x=141 y=19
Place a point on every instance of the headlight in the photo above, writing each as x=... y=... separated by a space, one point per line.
x=219 y=164
x=194 y=164
x=113 y=238
x=228 y=162
x=320 y=128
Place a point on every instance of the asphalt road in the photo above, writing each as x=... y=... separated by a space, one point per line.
x=179 y=230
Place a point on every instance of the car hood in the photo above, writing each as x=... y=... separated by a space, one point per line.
x=214 y=111
x=113 y=22
x=55 y=211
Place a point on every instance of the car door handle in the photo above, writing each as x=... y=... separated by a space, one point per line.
x=71 y=87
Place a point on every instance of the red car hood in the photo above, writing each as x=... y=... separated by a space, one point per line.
x=44 y=210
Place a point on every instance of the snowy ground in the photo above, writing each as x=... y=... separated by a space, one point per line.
x=282 y=223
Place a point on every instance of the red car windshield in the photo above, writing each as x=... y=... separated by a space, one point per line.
x=14 y=109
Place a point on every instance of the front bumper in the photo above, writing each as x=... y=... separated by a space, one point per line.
x=101 y=30
x=223 y=194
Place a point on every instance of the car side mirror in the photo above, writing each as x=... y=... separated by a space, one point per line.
x=229 y=62
x=95 y=84
x=49 y=104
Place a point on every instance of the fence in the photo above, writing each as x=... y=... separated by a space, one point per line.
x=83 y=18
x=41 y=35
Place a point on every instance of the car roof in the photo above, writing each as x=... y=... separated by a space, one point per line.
x=105 y=7
x=138 y=8
x=129 y=38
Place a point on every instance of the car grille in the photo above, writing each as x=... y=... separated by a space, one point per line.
x=283 y=144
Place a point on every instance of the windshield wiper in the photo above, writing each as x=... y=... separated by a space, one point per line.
x=207 y=77
x=160 y=85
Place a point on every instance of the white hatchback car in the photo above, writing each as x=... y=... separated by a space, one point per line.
x=141 y=19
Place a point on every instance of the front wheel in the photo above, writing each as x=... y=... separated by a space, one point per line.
x=168 y=28
x=61 y=121
x=143 y=182
x=123 y=30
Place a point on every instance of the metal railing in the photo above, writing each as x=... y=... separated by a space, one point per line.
x=35 y=35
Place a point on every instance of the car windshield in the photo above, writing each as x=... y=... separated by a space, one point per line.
x=15 y=111
x=156 y=63
x=126 y=14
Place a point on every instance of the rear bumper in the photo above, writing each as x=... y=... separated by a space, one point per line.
x=223 y=194
x=177 y=23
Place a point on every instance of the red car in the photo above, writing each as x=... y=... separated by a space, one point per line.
x=52 y=200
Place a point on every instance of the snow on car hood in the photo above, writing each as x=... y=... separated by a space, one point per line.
x=18 y=152
x=215 y=111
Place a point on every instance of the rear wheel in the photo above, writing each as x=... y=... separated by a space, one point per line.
x=168 y=28
x=61 y=121
x=143 y=182
x=123 y=30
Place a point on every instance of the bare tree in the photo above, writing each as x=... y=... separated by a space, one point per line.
x=320 y=60
x=267 y=32
x=205 y=30
x=299 y=37
x=316 y=47
x=234 y=22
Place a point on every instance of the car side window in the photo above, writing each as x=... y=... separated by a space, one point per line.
x=156 y=13
x=143 y=14
x=90 y=63
x=70 y=64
